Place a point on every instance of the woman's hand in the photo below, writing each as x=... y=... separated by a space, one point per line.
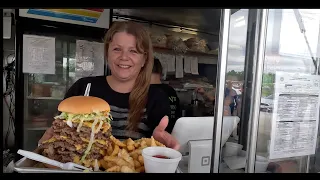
x=163 y=136
x=47 y=135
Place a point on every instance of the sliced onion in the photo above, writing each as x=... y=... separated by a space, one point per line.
x=69 y=122
x=96 y=166
x=100 y=125
x=80 y=125
x=91 y=140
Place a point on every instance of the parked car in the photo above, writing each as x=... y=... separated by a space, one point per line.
x=266 y=104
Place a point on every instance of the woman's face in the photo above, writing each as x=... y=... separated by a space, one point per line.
x=124 y=60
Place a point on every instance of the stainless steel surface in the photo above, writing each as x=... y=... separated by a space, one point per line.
x=25 y=109
x=318 y=54
x=40 y=158
x=23 y=166
x=248 y=76
x=257 y=82
x=200 y=19
x=221 y=73
x=308 y=164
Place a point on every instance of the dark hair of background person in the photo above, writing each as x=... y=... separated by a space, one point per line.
x=157 y=67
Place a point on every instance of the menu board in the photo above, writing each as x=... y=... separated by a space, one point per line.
x=295 y=118
x=38 y=54
x=89 y=59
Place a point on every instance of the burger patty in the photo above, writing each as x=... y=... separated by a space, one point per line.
x=59 y=154
x=61 y=127
x=64 y=152
x=96 y=147
x=94 y=156
x=67 y=141
x=58 y=144
x=75 y=140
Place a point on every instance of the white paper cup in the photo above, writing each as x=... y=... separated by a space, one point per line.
x=232 y=149
x=159 y=165
x=261 y=164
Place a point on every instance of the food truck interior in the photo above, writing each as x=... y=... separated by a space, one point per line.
x=235 y=53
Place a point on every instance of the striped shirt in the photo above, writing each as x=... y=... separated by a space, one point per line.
x=157 y=106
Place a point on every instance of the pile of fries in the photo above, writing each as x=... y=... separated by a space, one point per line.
x=126 y=156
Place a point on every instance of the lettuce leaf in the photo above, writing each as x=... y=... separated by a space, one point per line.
x=85 y=117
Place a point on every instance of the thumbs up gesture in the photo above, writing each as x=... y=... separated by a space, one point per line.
x=163 y=136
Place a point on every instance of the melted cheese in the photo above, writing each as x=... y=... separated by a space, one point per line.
x=80 y=125
x=100 y=141
x=102 y=152
x=99 y=127
x=85 y=140
x=88 y=124
x=49 y=140
x=78 y=146
x=76 y=159
x=105 y=126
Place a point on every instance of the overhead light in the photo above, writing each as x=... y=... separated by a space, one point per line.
x=118 y=19
x=239 y=18
x=240 y=23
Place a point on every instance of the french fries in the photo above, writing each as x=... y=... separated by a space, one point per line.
x=116 y=150
x=114 y=169
x=126 y=156
x=117 y=141
x=126 y=169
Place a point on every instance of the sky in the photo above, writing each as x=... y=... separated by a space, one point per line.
x=293 y=50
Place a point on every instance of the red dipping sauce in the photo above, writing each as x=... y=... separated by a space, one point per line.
x=161 y=157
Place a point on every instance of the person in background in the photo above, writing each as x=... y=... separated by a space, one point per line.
x=172 y=95
x=239 y=101
x=229 y=101
x=138 y=110
x=210 y=97
x=233 y=95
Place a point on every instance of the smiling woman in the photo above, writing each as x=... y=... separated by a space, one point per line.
x=130 y=59
x=138 y=110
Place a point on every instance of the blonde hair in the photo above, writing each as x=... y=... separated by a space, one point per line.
x=139 y=94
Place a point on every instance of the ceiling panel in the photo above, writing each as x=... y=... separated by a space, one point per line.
x=205 y=20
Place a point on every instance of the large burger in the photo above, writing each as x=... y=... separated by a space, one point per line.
x=81 y=131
